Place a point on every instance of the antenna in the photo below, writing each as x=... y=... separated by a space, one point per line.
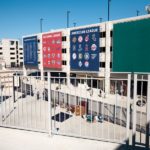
x=147 y=8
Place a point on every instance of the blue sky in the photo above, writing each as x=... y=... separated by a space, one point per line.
x=22 y=17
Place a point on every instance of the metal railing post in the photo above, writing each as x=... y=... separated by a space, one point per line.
x=134 y=111
x=128 y=111
x=49 y=105
x=148 y=114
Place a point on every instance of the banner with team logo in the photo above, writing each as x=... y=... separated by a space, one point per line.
x=30 y=48
x=84 y=46
x=52 y=50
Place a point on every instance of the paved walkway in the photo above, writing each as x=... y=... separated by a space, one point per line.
x=11 y=139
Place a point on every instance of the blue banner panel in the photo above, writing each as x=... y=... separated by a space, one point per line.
x=30 y=47
x=84 y=49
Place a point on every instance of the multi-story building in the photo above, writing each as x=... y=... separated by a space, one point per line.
x=11 y=52
x=108 y=37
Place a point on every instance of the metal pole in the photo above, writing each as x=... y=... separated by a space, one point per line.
x=134 y=111
x=137 y=12
x=100 y=20
x=41 y=23
x=49 y=105
x=14 y=98
x=74 y=24
x=148 y=114
x=68 y=12
x=128 y=110
x=109 y=9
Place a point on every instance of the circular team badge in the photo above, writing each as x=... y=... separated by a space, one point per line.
x=58 y=55
x=86 y=47
x=53 y=55
x=93 y=47
x=80 y=64
x=93 y=37
x=86 y=56
x=74 y=47
x=80 y=56
x=49 y=55
x=58 y=48
x=53 y=41
x=86 y=64
x=74 y=39
x=80 y=39
x=58 y=62
x=44 y=48
x=58 y=42
x=53 y=62
x=93 y=56
x=87 y=38
x=80 y=48
x=74 y=56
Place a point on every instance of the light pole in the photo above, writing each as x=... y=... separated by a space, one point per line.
x=41 y=24
x=100 y=20
x=68 y=12
x=147 y=8
x=137 y=12
x=109 y=9
x=74 y=24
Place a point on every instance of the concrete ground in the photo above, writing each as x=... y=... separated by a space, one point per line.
x=11 y=139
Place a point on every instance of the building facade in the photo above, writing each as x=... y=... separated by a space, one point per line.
x=11 y=52
x=106 y=50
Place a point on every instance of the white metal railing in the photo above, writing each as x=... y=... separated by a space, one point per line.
x=78 y=107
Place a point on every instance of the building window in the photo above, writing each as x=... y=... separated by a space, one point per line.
x=12 y=64
x=0 y=47
x=20 y=48
x=102 y=49
x=38 y=41
x=102 y=34
x=16 y=44
x=64 y=50
x=12 y=53
x=64 y=38
x=21 y=53
x=12 y=42
x=111 y=48
x=21 y=57
x=110 y=64
x=64 y=62
x=102 y=64
x=12 y=57
x=21 y=64
x=12 y=48
x=111 y=33
x=1 y=53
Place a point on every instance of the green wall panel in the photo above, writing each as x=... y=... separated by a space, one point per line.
x=131 y=46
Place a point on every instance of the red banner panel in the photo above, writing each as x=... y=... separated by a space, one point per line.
x=52 y=50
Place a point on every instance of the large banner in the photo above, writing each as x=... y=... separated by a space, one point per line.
x=30 y=47
x=52 y=50
x=84 y=46
x=131 y=46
